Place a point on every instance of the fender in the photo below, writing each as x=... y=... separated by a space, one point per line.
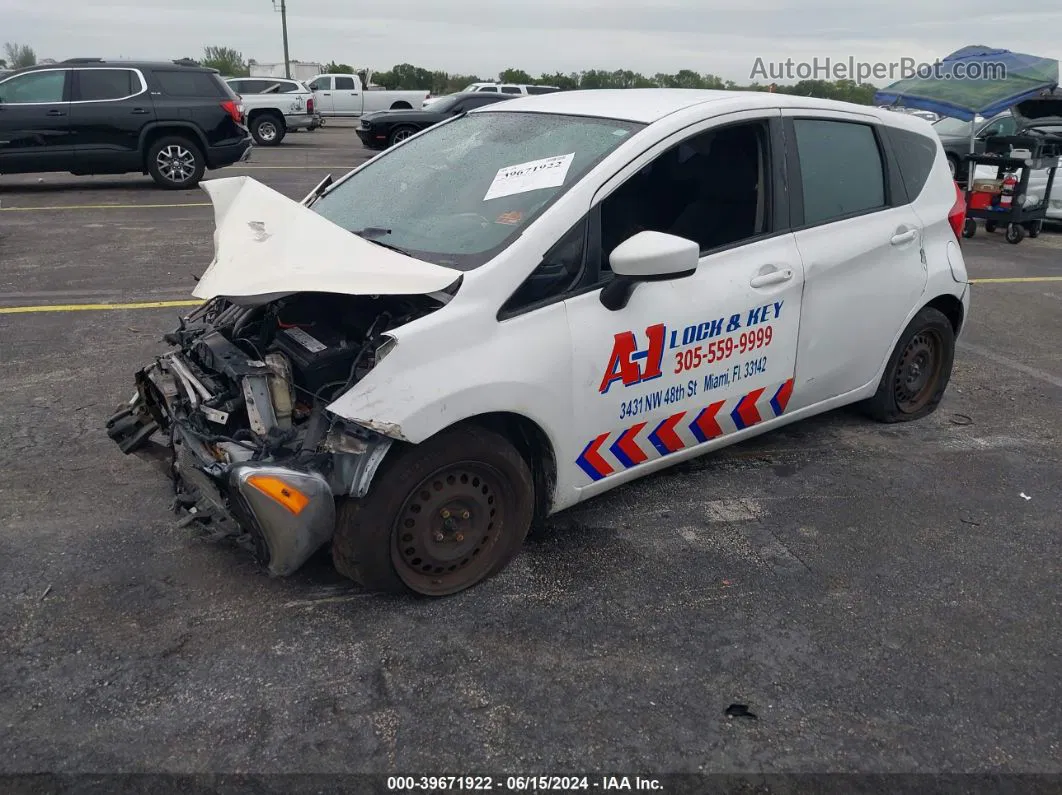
x=181 y=125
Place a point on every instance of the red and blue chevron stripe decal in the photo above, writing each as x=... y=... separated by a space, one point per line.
x=632 y=446
x=626 y=448
x=664 y=438
x=591 y=461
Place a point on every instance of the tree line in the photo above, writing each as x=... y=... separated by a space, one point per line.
x=408 y=76
x=231 y=63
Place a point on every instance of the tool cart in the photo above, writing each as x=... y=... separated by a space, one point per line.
x=1002 y=200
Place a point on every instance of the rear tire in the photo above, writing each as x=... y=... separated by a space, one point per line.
x=268 y=129
x=918 y=371
x=439 y=517
x=175 y=163
x=991 y=226
x=969 y=227
x=1015 y=233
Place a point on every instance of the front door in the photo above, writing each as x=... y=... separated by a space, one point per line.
x=322 y=96
x=35 y=122
x=861 y=244
x=694 y=360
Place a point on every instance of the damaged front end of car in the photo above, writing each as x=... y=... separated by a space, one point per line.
x=239 y=404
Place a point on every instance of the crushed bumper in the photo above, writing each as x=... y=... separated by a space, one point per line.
x=282 y=510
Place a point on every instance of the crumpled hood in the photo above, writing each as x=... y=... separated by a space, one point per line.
x=267 y=246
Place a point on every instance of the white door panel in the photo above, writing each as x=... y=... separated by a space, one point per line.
x=687 y=361
x=862 y=276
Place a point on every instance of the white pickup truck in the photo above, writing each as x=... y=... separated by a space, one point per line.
x=344 y=95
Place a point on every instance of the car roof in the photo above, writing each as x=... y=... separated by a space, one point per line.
x=93 y=63
x=648 y=105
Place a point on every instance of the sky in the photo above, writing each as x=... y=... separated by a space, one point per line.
x=482 y=37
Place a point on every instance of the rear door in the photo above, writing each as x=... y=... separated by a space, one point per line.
x=110 y=109
x=861 y=245
x=35 y=122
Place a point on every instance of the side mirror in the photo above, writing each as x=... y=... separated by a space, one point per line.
x=648 y=257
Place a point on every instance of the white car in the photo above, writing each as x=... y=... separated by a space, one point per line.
x=515 y=89
x=541 y=300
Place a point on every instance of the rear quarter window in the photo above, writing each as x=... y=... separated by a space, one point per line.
x=191 y=84
x=915 y=154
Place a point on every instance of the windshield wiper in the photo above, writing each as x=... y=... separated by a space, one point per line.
x=370 y=233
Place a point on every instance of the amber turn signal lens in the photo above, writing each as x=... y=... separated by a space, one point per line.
x=275 y=488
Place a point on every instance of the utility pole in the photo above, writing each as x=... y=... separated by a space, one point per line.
x=283 y=9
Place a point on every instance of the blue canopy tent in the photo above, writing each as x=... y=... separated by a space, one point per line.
x=974 y=81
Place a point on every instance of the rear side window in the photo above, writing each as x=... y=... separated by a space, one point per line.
x=540 y=89
x=915 y=155
x=101 y=84
x=840 y=167
x=186 y=83
x=511 y=90
x=345 y=84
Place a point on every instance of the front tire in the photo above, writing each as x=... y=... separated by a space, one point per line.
x=969 y=227
x=1015 y=233
x=268 y=129
x=440 y=517
x=175 y=163
x=918 y=371
x=399 y=134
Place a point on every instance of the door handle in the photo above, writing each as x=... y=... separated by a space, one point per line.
x=904 y=237
x=326 y=93
x=54 y=112
x=773 y=277
x=140 y=110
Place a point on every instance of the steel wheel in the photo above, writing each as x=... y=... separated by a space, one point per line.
x=918 y=371
x=176 y=163
x=267 y=131
x=444 y=535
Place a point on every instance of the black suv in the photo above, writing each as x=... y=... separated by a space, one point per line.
x=88 y=116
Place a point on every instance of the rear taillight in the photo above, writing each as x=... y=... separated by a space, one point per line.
x=234 y=109
x=957 y=214
x=309 y=105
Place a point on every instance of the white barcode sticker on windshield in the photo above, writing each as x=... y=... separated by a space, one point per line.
x=549 y=172
x=311 y=344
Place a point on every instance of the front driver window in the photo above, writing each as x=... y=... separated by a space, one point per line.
x=710 y=188
x=35 y=87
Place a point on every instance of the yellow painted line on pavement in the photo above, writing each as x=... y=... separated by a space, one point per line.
x=1017 y=280
x=20 y=310
x=99 y=207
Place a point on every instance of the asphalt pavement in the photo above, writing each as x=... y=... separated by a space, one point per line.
x=885 y=599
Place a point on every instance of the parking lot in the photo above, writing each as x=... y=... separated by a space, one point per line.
x=883 y=598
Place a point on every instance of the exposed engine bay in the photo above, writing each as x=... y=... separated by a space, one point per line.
x=239 y=407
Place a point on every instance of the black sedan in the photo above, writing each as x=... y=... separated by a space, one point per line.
x=387 y=127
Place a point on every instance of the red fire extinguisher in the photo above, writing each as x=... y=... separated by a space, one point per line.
x=1006 y=194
